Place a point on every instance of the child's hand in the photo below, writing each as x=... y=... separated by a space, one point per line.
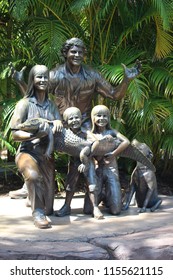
x=83 y=167
x=108 y=157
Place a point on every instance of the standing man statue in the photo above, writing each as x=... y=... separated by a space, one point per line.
x=76 y=84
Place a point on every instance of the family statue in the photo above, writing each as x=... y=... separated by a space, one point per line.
x=71 y=124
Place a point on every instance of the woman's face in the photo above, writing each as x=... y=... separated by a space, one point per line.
x=41 y=79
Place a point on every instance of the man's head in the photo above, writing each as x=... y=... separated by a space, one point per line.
x=71 y=43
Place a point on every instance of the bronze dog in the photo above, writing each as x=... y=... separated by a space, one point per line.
x=143 y=184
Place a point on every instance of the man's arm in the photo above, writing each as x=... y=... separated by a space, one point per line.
x=18 y=77
x=118 y=92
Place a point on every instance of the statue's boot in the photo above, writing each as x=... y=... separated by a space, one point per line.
x=40 y=219
x=64 y=211
x=21 y=193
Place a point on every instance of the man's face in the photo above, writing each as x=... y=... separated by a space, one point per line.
x=74 y=121
x=75 y=56
x=101 y=119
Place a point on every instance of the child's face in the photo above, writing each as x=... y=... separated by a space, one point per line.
x=101 y=118
x=74 y=121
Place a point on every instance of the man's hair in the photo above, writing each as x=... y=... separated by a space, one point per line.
x=71 y=43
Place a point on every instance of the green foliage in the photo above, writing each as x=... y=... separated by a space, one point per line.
x=115 y=32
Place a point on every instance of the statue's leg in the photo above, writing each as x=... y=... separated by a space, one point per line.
x=70 y=185
x=94 y=192
x=29 y=168
x=113 y=190
x=147 y=199
x=151 y=198
x=130 y=194
x=156 y=206
x=92 y=182
x=48 y=171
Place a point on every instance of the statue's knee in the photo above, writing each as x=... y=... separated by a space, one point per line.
x=114 y=210
x=92 y=188
x=32 y=175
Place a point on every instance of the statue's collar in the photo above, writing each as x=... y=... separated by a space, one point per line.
x=34 y=100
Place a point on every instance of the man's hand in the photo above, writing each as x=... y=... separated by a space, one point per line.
x=18 y=76
x=131 y=73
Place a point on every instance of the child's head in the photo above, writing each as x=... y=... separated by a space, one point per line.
x=100 y=116
x=72 y=118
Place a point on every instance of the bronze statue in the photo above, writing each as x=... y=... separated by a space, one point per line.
x=83 y=147
x=36 y=168
x=106 y=166
x=143 y=183
x=71 y=143
x=75 y=84
x=73 y=119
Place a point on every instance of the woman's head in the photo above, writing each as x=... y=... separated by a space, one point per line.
x=100 y=116
x=38 y=78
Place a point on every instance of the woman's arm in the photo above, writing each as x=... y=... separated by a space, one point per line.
x=20 y=116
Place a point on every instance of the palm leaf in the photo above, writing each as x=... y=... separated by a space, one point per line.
x=164 y=40
x=49 y=36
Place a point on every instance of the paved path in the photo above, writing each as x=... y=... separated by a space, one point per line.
x=128 y=236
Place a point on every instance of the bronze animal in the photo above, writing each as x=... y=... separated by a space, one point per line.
x=143 y=184
x=67 y=142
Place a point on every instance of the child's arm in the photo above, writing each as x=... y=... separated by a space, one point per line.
x=123 y=145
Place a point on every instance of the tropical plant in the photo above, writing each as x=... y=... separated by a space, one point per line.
x=115 y=32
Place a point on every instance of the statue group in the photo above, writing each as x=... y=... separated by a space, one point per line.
x=70 y=124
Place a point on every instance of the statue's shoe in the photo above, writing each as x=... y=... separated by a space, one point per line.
x=64 y=211
x=40 y=219
x=97 y=214
x=21 y=193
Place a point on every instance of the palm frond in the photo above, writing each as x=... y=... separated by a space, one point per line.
x=164 y=40
x=166 y=145
x=5 y=143
x=164 y=9
x=162 y=77
x=49 y=35
x=138 y=92
x=151 y=116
